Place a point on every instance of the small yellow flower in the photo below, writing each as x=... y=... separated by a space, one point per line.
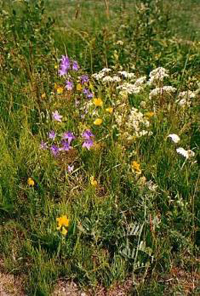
x=64 y=231
x=56 y=67
x=30 y=182
x=109 y=110
x=98 y=121
x=59 y=90
x=98 y=102
x=93 y=182
x=136 y=167
x=43 y=96
x=91 y=86
x=79 y=87
x=149 y=114
x=63 y=223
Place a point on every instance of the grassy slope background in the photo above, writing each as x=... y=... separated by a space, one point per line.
x=100 y=221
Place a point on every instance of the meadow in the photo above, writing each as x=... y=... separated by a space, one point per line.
x=99 y=147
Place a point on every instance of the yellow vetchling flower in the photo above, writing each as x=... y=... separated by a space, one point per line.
x=109 y=110
x=98 y=121
x=98 y=102
x=136 y=167
x=93 y=182
x=59 y=90
x=30 y=182
x=43 y=96
x=63 y=223
x=79 y=87
x=149 y=114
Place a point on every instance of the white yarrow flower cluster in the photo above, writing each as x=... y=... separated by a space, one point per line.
x=184 y=98
x=101 y=74
x=186 y=153
x=132 y=125
x=126 y=74
x=132 y=88
x=175 y=138
x=158 y=75
x=159 y=91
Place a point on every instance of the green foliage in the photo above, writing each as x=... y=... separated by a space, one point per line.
x=131 y=200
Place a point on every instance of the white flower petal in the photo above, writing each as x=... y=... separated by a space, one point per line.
x=175 y=138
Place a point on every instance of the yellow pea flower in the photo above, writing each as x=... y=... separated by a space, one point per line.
x=136 y=167
x=59 y=90
x=109 y=110
x=79 y=87
x=98 y=121
x=93 y=182
x=98 y=102
x=43 y=96
x=63 y=223
x=30 y=182
x=149 y=114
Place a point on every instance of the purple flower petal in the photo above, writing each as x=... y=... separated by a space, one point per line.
x=70 y=168
x=87 y=134
x=69 y=136
x=43 y=145
x=88 y=144
x=54 y=150
x=75 y=66
x=69 y=85
x=84 y=79
x=52 y=135
x=65 y=146
x=57 y=116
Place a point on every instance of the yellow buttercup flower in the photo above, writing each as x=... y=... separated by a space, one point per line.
x=98 y=102
x=109 y=110
x=63 y=223
x=43 y=96
x=59 y=90
x=98 y=121
x=79 y=87
x=64 y=231
x=136 y=167
x=149 y=114
x=93 y=182
x=30 y=182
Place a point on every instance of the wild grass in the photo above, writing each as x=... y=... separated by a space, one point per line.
x=126 y=207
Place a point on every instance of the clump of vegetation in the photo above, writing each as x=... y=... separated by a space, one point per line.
x=99 y=137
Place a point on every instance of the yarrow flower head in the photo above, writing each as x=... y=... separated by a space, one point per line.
x=175 y=138
x=56 y=116
x=186 y=153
